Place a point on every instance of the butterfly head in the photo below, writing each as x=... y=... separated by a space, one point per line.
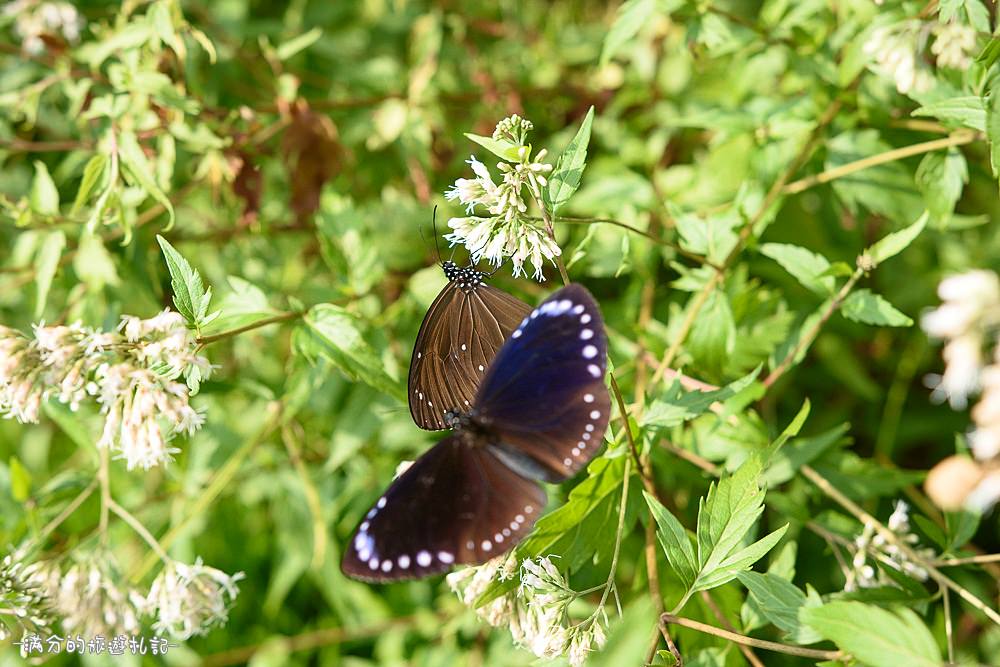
x=467 y=279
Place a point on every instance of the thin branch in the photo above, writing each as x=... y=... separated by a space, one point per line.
x=969 y=560
x=213 y=489
x=747 y=651
x=807 y=339
x=311 y=494
x=308 y=640
x=283 y=317
x=103 y=479
x=672 y=619
x=700 y=259
x=140 y=529
x=861 y=515
x=957 y=139
x=949 y=632
x=619 y=533
x=73 y=506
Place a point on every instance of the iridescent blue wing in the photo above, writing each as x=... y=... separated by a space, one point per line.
x=543 y=398
x=458 y=503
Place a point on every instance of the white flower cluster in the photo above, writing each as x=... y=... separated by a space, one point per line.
x=190 y=600
x=968 y=321
x=23 y=602
x=184 y=600
x=507 y=232
x=537 y=612
x=35 y=20
x=90 y=598
x=870 y=544
x=133 y=377
x=898 y=51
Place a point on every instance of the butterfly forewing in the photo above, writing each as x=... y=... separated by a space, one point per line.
x=458 y=503
x=544 y=395
x=461 y=333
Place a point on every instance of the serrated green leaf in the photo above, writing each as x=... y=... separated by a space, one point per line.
x=779 y=600
x=725 y=517
x=44 y=197
x=46 y=265
x=135 y=163
x=569 y=168
x=339 y=338
x=806 y=266
x=92 y=173
x=800 y=451
x=892 y=244
x=965 y=110
x=676 y=406
x=190 y=296
x=675 y=542
x=875 y=636
x=629 y=19
x=502 y=148
x=713 y=334
x=869 y=308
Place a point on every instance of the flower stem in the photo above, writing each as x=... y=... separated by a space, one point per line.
x=65 y=514
x=140 y=529
x=547 y=217
x=672 y=619
x=283 y=317
x=103 y=479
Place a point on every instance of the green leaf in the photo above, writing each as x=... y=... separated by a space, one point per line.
x=46 y=265
x=966 y=110
x=631 y=16
x=806 y=266
x=790 y=431
x=869 y=308
x=244 y=304
x=993 y=123
x=502 y=148
x=339 y=338
x=990 y=53
x=675 y=542
x=135 y=163
x=713 y=334
x=20 y=480
x=132 y=35
x=569 y=168
x=44 y=197
x=941 y=177
x=725 y=517
x=800 y=451
x=93 y=264
x=92 y=174
x=779 y=600
x=296 y=44
x=190 y=296
x=892 y=244
x=875 y=636
x=676 y=406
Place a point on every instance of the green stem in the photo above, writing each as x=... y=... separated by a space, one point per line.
x=283 y=317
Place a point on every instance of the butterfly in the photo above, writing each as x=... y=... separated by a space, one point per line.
x=460 y=334
x=539 y=414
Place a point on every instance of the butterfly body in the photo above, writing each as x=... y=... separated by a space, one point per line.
x=539 y=414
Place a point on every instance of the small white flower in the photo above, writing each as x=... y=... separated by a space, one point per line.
x=954 y=45
x=190 y=600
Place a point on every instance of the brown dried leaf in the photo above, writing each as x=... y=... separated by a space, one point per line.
x=313 y=155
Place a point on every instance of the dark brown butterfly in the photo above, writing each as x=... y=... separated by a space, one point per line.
x=460 y=334
x=539 y=414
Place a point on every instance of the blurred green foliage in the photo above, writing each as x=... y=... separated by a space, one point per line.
x=748 y=156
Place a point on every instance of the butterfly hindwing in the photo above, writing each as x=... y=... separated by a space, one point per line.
x=544 y=395
x=463 y=329
x=458 y=503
